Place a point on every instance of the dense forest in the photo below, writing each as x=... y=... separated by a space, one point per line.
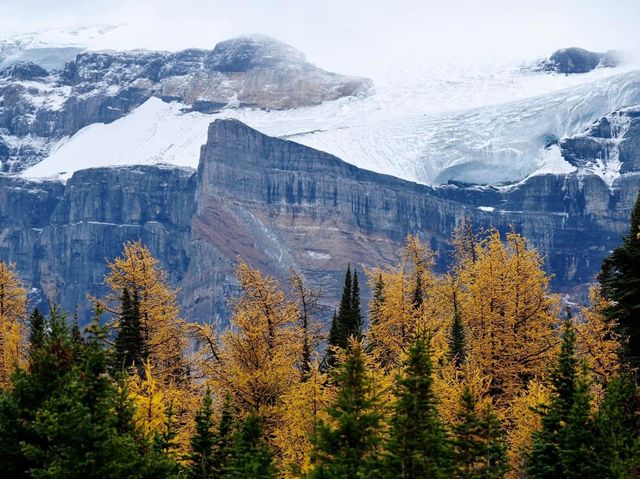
x=481 y=372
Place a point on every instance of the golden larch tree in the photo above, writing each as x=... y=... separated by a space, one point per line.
x=13 y=310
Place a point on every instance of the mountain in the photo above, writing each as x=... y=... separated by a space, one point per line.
x=279 y=205
x=40 y=109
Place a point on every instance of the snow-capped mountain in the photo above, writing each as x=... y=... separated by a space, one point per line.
x=468 y=122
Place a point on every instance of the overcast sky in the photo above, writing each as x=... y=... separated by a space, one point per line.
x=344 y=35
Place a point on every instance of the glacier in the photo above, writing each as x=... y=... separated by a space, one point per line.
x=481 y=129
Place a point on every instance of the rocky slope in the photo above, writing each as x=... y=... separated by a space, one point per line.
x=39 y=107
x=279 y=205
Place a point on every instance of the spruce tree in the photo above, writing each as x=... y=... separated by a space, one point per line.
x=129 y=344
x=223 y=439
x=479 y=442
x=201 y=457
x=418 y=445
x=344 y=311
x=620 y=280
x=37 y=333
x=563 y=447
x=457 y=340
x=355 y=323
x=250 y=455
x=332 y=341
x=347 y=446
x=617 y=440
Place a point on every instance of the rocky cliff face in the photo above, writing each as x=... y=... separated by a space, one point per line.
x=38 y=107
x=279 y=205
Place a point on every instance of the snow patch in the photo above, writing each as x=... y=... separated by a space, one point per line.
x=155 y=132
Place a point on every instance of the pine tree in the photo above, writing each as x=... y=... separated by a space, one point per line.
x=457 y=340
x=347 y=446
x=418 y=444
x=344 y=311
x=618 y=430
x=129 y=346
x=479 y=442
x=620 y=280
x=201 y=458
x=562 y=448
x=250 y=455
x=332 y=341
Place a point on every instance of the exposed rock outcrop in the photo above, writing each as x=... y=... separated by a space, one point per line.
x=279 y=205
x=579 y=60
x=256 y=72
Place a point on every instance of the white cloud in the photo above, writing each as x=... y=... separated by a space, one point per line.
x=351 y=36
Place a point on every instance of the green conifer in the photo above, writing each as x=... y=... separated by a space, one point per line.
x=348 y=445
x=418 y=445
x=250 y=455
x=620 y=280
x=479 y=442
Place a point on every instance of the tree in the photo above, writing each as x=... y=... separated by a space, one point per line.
x=64 y=418
x=250 y=455
x=201 y=460
x=348 y=322
x=509 y=314
x=617 y=443
x=479 y=442
x=418 y=444
x=223 y=439
x=347 y=444
x=563 y=447
x=37 y=333
x=13 y=302
x=620 y=281
x=163 y=332
x=129 y=346
x=257 y=363
x=457 y=340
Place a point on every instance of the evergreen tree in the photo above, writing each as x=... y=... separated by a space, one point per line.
x=479 y=442
x=457 y=340
x=355 y=323
x=250 y=455
x=348 y=323
x=418 y=444
x=347 y=446
x=37 y=333
x=620 y=280
x=64 y=418
x=563 y=447
x=618 y=430
x=223 y=439
x=202 y=442
x=129 y=344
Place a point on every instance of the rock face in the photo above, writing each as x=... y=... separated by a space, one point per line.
x=579 y=60
x=612 y=142
x=279 y=205
x=38 y=107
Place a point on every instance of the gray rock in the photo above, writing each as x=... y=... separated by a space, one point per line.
x=279 y=205
x=579 y=60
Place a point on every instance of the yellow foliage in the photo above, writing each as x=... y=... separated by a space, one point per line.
x=509 y=314
x=596 y=339
x=163 y=331
x=522 y=420
x=302 y=407
x=257 y=360
x=13 y=303
x=396 y=320
x=154 y=401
